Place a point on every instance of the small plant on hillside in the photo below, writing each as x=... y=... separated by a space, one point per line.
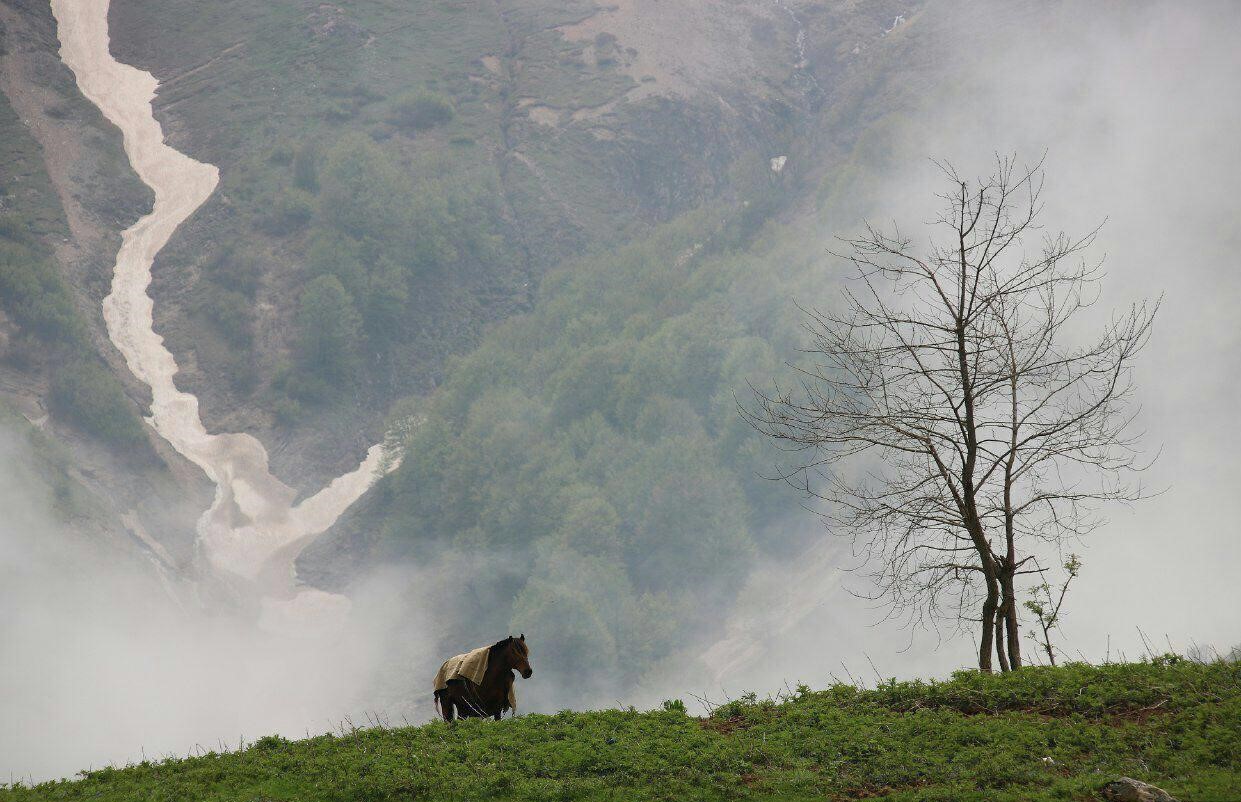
x=1046 y=608
x=674 y=706
x=86 y=394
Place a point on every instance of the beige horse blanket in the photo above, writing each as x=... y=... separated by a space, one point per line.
x=471 y=666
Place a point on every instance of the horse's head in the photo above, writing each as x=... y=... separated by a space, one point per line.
x=514 y=654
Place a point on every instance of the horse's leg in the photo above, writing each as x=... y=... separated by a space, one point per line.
x=469 y=703
x=445 y=704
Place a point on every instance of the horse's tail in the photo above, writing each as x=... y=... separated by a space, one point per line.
x=437 y=704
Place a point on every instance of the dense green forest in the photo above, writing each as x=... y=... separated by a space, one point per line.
x=552 y=274
x=379 y=228
x=1038 y=735
x=585 y=471
x=376 y=231
x=403 y=158
x=562 y=315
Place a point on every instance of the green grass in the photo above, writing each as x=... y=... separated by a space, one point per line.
x=1170 y=722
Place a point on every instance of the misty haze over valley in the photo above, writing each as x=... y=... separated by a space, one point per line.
x=336 y=340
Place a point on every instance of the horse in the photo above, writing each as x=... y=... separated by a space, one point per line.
x=494 y=693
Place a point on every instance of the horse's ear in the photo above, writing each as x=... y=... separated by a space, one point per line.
x=523 y=637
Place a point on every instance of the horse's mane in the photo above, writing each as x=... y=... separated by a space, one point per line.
x=503 y=644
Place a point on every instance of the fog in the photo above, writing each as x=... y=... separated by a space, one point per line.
x=1136 y=108
x=104 y=662
x=1138 y=113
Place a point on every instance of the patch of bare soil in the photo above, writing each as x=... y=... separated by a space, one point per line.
x=681 y=48
x=724 y=726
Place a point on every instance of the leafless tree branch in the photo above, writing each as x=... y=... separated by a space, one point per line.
x=947 y=415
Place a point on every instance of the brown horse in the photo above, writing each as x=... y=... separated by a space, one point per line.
x=493 y=695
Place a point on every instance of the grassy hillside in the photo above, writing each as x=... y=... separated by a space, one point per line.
x=1041 y=734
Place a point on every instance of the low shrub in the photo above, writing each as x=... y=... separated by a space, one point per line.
x=85 y=394
x=420 y=111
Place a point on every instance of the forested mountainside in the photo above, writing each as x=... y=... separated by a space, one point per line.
x=584 y=472
x=396 y=183
x=417 y=169
x=543 y=246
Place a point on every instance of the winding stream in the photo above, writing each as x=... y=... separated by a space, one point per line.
x=253 y=530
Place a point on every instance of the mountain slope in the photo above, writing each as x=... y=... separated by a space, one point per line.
x=584 y=473
x=437 y=160
x=66 y=191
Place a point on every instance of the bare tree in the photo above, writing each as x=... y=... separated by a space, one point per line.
x=948 y=414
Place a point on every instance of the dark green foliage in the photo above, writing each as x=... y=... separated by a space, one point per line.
x=328 y=326
x=34 y=294
x=420 y=111
x=380 y=208
x=306 y=168
x=224 y=295
x=596 y=440
x=232 y=312
x=896 y=743
x=384 y=229
x=362 y=195
x=87 y=395
x=234 y=269
x=289 y=212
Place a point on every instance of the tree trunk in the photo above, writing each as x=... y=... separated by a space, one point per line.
x=1000 y=645
x=1014 y=637
x=1009 y=586
x=988 y=624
